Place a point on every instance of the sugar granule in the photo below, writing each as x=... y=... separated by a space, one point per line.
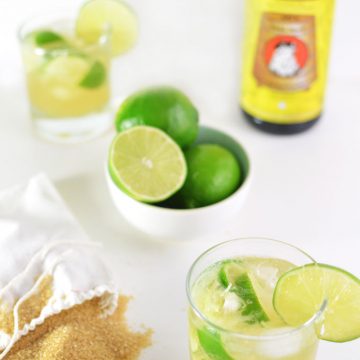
x=80 y=333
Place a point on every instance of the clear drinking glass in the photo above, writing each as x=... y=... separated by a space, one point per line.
x=67 y=80
x=209 y=341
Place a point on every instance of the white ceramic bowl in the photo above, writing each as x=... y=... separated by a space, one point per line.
x=187 y=224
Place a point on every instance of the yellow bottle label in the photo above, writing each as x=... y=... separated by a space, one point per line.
x=286 y=54
x=285 y=58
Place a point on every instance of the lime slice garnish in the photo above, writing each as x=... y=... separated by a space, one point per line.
x=233 y=275
x=147 y=164
x=98 y=15
x=75 y=70
x=47 y=37
x=300 y=293
x=212 y=344
x=95 y=76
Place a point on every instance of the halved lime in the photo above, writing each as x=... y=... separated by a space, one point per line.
x=300 y=293
x=147 y=164
x=234 y=275
x=75 y=70
x=96 y=15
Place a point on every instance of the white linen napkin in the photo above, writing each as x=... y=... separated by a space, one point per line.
x=40 y=238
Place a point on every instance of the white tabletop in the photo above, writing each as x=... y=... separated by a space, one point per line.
x=306 y=188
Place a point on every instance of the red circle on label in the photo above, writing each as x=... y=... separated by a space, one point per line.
x=301 y=51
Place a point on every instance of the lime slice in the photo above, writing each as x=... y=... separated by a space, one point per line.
x=212 y=344
x=234 y=275
x=147 y=164
x=75 y=70
x=47 y=37
x=300 y=293
x=97 y=15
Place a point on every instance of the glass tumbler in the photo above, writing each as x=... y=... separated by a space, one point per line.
x=67 y=79
x=208 y=341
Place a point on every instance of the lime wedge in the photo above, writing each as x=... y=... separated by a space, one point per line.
x=229 y=272
x=147 y=164
x=211 y=342
x=98 y=15
x=234 y=275
x=47 y=37
x=95 y=76
x=75 y=70
x=300 y=293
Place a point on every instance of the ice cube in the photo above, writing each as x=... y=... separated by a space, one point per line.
x=277 y=348
x=232 y=302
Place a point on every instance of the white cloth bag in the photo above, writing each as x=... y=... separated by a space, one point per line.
x=39 y=237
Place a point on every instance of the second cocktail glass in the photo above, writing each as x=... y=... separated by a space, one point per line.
x=67 y=79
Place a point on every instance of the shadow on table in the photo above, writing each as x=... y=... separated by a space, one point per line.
x=88 y=198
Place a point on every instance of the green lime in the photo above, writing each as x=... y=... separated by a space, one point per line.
x=74 y=70
x=147 y=164
x=95 y=77
x=98 y=15
x=300 y=293
x=233 y=275
x=212 y=344
x=213 y=175
x=47 y=37
x=165 y=108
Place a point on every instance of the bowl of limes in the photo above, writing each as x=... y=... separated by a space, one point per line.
x=170 y=177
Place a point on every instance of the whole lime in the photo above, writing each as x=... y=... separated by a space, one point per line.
x=213 y=175
x=163 y=107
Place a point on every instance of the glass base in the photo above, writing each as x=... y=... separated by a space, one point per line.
x=72 y=130
x=279 y=129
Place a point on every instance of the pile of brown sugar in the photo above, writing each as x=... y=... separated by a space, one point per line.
x=81 y=334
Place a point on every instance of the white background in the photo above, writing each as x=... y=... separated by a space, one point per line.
x=306 y=188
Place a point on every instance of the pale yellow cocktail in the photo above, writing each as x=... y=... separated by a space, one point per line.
x=67 y=81
x=232 y=316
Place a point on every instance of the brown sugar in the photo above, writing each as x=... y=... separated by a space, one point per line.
x=80 y=333
x=29 y=309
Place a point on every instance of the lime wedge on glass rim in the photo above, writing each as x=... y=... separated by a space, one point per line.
x=96 y=16
x=147 y=164
x=300 y=293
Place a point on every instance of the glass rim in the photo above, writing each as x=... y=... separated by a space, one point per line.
x=67 y=18
x=239 y=334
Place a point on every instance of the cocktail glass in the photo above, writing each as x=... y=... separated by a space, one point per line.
x=67 y=80
x=210 y=341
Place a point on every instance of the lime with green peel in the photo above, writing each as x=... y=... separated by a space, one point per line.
x=97 y=17
x=213 y=175
x=233 y=276
x=44 y=38
x=162 y=107
x=74 y=70
x=300 y=293
x=212 y=344
x=229 y=272
x=147 y=164
x=95 y=77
